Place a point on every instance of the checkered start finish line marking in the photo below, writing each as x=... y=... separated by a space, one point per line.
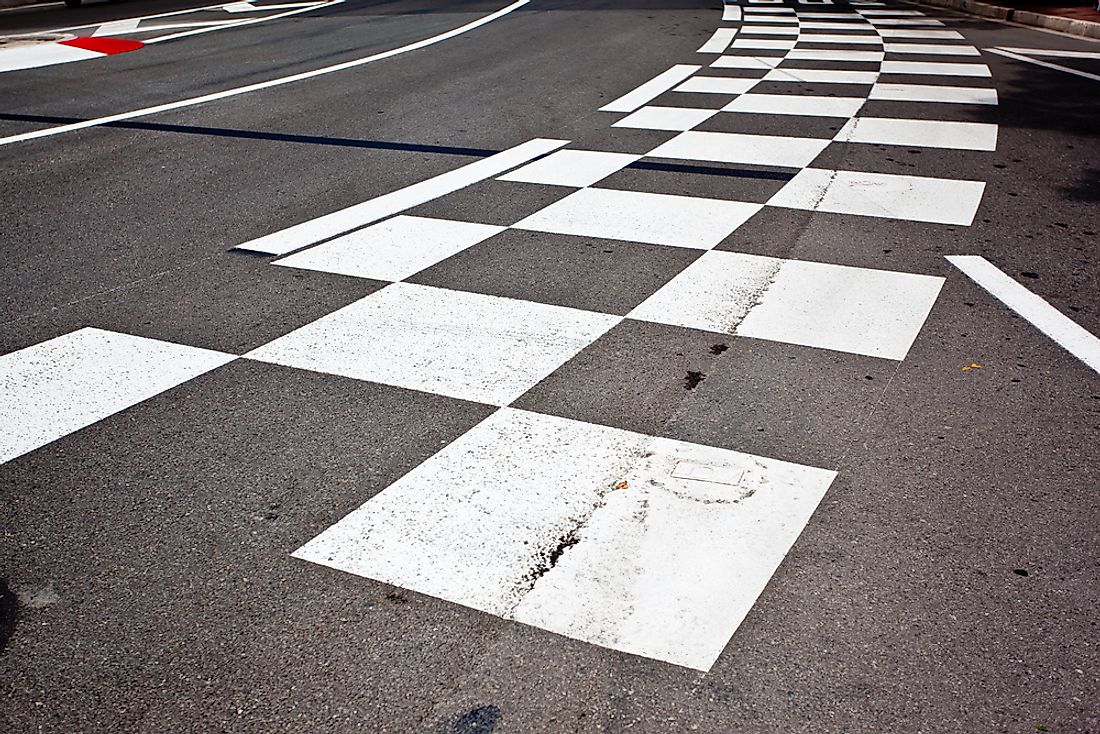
x=652 y=546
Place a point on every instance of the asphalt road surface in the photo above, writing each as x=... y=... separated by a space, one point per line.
x=464 y=367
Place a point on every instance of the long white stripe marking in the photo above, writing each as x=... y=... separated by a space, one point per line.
x=666 y=567
x=822 y=76
x=920 y=133
x=358 y=215
x=796 y=104
x=117 y=27
x=392 y=250
x=932 y=49
x=1038 y=312
x=462 y=345
x=877 y=313
x=939 y=200
x=719 y=42
x=62 y=385
x=934 y=68
x=1055 y=53
x=655 y=87
x=1045 y=64
x=636 y=216
x=666 y=118
x=933 y=93
x=762 y=150
x=145 y=111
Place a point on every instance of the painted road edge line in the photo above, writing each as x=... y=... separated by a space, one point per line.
x=652 y=89
x=1044 y=64
x=1038 y=312
x=145 y=111
x=361 y=214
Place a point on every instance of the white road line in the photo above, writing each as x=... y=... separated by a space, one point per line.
x=592 y=532
x=117 y=27
x=358 y=215
x=932 y=68
x=719 y=42
x=156 y=109
x=920 y=133
x=877 y=313
x=225 y=25
x=760 y=150
x=51 y=389
x=1038 y=312
x=891 y=196
x=1044 y=64
x=934 y=93
x=34 y=55
x=1053 y=53
x=655 y=87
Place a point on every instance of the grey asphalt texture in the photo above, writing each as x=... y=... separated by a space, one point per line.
x=947 y=583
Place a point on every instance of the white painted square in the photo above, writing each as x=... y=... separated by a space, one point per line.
x=717 y=85
x=796 y=104
x=572 y=168
x=821 y=76
x=764 y=150
x=657 y=219
x=913 y=198
x=752 y=29
x=895 y=22
x=747 y=62
x=839 y=38
x=731 y=13
x=825 y=25
x=830 y=54
x=521 y=518
x=54 y=388
x=718 y=42
x=919 y=33
x=920 y=133
x=934 y=93
x=392 y=250
x=932 y=49
x=767 y=44
x=877 y=313
x=463 y=345
x=937 y=68
x=665 y=118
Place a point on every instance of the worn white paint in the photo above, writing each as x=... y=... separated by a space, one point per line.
x=203 y=99
x=52 y=389
x=666 y=567
x=571 y=168
x=1038 y=312
x=658 y=219
x=717 y=85
x=463 y=345
x=652 y=89
x=763 y=150
x=358 y=215
x=718 y=42
x=392 y=250
x=796 y=104
x=665 y=118
x=821 y=76
x=936 y=68
x=876 y=313
x=920 y=133
x=934 y=93
x=932 y=49
x=891 y=196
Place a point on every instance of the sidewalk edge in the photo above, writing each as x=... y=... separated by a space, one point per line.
x=1084 y=28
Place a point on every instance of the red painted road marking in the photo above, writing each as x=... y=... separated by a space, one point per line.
x=103 y=45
